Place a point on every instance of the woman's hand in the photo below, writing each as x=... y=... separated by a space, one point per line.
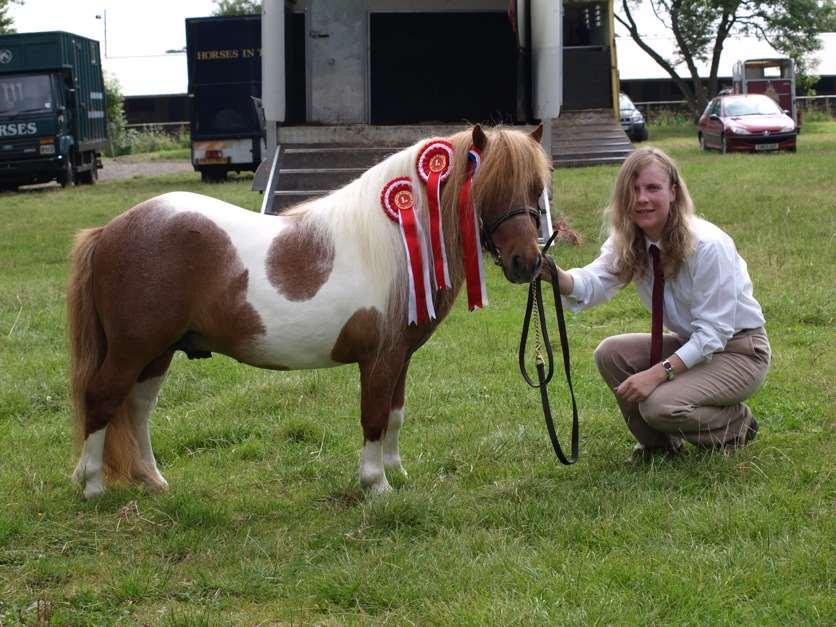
x=550 y=272
x=639 y=386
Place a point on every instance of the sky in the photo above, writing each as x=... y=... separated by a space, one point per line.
x=139 y=32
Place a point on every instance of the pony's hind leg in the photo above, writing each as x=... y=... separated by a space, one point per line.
x=109 y=439
x=104 y=399
x=89 y=472
x=391 y=445
x=143 y=399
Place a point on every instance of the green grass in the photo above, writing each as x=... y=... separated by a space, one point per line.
x=265 y=522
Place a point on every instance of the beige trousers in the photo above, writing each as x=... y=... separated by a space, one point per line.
x=703 y=405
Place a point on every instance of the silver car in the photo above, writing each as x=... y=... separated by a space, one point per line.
x=632 y=120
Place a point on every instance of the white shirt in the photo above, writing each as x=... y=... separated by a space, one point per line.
x=708 y=301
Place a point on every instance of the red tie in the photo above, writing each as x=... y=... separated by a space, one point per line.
x=656 y=307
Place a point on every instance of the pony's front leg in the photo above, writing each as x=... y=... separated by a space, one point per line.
x=377 y=384
x=391 y=446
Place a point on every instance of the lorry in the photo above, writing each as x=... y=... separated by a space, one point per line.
x=224 y=68
x=52 y=109
x=772 y=77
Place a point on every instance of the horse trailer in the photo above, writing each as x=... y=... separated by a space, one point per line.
x=224 y=67
x=348 y=81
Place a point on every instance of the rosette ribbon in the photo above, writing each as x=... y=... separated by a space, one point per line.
x=433 y=163
x=474 y=272
x=399 y=205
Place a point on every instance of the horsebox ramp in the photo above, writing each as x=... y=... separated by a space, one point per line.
x=588 y=137
x=312 y=161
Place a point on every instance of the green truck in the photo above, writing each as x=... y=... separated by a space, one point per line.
x=52 y=109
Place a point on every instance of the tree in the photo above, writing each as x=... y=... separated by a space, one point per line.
x=237 y=7
x=7 y=23
x=701 y=27
x=115 y=115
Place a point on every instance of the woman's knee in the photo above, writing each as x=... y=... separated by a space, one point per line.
x=658 y=410
x=607 y=351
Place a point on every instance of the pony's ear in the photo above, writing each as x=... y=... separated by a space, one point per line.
x=480 y=140
x=537 y=133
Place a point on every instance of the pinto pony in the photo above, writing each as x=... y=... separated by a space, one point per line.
x=324 y=284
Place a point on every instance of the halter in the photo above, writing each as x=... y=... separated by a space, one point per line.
x=489 y=229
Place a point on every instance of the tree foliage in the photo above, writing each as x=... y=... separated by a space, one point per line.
x=701 y=27
x=237 y=7
x=7 y=24
x=115 y=112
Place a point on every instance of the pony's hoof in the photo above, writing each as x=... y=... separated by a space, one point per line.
x=156 y=485
x=93 y=489
x=400 y=470
x=378 y=488
x=393 y=463
x=78 y=476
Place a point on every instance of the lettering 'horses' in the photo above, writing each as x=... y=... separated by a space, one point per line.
x=324 y=284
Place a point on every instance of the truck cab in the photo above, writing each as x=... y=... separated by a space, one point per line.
x=52 y=121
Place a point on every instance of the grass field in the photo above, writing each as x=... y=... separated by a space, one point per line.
x=265 y=522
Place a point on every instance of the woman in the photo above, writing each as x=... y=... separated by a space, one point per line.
x=692 y=384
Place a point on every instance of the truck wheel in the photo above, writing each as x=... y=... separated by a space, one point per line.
x=213 y=175
x=88 y=177
x=67 y=176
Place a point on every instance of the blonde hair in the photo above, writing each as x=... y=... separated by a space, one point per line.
x=628 y=239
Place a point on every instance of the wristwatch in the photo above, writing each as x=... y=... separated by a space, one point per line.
x=669 y=373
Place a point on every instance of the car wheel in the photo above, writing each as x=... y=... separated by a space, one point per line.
x=724 y=148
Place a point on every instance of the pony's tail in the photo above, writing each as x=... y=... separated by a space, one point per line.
x=88 y=347
x=86 y=338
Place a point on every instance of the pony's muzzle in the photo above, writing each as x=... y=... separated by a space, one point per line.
x=522 y=269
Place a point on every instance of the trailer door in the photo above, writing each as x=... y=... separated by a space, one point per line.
x=442 y=67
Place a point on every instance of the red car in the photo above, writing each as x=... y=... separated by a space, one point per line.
x=746 y=122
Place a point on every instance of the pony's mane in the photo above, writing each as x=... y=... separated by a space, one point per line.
x=511 y=166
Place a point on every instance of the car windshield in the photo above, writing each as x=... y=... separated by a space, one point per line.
x=25 y=94
x=751 y=106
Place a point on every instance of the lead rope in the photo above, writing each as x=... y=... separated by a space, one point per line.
x=545 y=367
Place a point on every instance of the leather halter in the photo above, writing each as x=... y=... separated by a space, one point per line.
x=490 y=228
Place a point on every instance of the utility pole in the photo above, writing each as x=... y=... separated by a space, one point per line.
x=103 y=17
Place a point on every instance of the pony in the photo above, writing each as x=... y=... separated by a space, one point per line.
x=323 y=284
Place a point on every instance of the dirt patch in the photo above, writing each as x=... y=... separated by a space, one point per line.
x=115 y=169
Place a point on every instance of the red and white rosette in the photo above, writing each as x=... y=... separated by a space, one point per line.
x=398 y=202
x=434 y=163
x=474 y=272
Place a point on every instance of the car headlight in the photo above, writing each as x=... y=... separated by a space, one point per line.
x=637 y=116
x=47 y=149
x=738 y=130
x=789 y=128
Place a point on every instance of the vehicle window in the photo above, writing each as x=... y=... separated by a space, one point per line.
x=752 y=106
x=25 y=94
